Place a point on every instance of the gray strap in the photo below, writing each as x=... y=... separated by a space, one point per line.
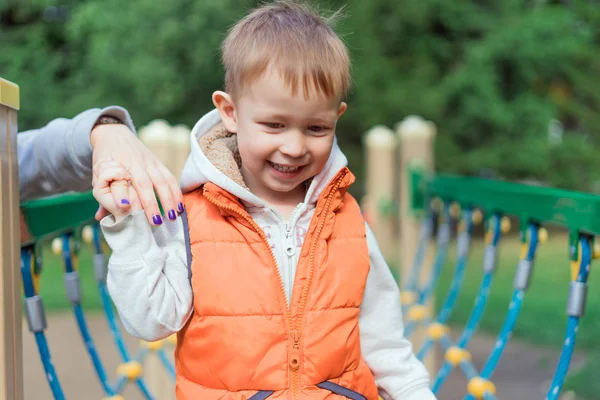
x=342 y=391
x=188 y=248
x=263 y=394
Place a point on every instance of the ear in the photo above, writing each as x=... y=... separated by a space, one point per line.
x=342 y=109
x=224 y=104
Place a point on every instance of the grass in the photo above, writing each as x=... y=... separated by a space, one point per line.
x=542 y=320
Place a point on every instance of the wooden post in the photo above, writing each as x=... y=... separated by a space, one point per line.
x=180 y=149
x=155 y=137
x=380 y=144
x=11 y=357
x=416 y=139
x=171 y=144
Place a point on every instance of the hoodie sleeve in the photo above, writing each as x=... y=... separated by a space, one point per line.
x=148 y=275
x=398 y=373
x=58 y=157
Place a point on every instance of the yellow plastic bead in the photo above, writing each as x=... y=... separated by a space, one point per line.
x=456 y=355
x=489 y=236
x=505 y=224
x=115 y=397
x=436 y=204
x=455 y=210
x=172 y=339
x=596 y=253
x=87 y=234
x=477 y=217
x=153 y=346
x=478 y=387
x=542 y=235
x=131 y=370
x=408 y=298
x=57 y=246
x=436 y=331
x=417 y=313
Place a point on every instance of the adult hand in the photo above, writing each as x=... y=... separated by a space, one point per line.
x=147 y=172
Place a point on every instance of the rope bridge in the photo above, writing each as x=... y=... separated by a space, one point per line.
x=67 y=218
x=534 y=206
x=458 y=201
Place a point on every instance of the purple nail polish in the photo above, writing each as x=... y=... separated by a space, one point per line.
x=180 y=207
x=125 y=201
x=157 y=219
x=172 y=215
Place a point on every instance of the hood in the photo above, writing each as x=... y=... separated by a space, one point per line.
x=214 y=157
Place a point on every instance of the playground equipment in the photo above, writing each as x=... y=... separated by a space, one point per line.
x=430 y=205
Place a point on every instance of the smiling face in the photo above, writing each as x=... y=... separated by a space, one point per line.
x=283 y=139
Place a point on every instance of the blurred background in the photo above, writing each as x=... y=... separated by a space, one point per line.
x=512 y=86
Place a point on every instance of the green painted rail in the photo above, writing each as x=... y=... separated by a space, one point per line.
x=577 y=211
x=49 y=217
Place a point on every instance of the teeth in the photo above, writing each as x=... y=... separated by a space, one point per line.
x=283 y=168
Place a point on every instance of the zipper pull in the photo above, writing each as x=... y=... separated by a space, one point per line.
x=296 y=339
x=288 y=229
x=294 y=361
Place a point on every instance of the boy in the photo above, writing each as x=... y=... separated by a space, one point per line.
x=272 y=279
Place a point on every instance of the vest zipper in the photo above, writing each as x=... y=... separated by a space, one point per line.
x=289 y=252
x=297 y=333
x=294 y=362
x=247 y=218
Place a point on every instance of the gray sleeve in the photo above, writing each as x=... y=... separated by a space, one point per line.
x=58 y=157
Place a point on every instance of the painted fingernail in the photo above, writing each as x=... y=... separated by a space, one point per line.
x=125 y=201
x=180 y=207
x=172 y=215
x=157 y=219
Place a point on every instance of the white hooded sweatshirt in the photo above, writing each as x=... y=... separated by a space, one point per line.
x=148 y=270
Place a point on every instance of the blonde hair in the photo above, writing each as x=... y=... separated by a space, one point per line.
x=296 y=41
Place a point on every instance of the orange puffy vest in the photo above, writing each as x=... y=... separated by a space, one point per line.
x=243 y=341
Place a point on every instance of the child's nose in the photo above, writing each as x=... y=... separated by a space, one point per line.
x=294 y=145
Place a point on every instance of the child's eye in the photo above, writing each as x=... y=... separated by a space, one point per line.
x=318 y=129
x=272 y=125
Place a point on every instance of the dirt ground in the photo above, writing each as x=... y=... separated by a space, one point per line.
x=523 y=373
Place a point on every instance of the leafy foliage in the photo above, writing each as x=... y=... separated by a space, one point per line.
x=493 y=75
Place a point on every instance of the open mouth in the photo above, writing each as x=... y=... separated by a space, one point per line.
x=286 y=169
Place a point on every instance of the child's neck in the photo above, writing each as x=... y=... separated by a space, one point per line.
x=283 y=202
x=286 y=204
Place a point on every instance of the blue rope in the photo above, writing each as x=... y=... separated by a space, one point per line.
x=144 y=389
x=572 y=325
x=489 y=396
x=112 y=322
x=457 y=280
x=81 y=322
x=91 y=349
x=51 y=376
x=440 y=256
x=511 y=317
x=476 y=313
x=107 y=303
x=424 y=237
x=27 y=259
x=167 y=364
